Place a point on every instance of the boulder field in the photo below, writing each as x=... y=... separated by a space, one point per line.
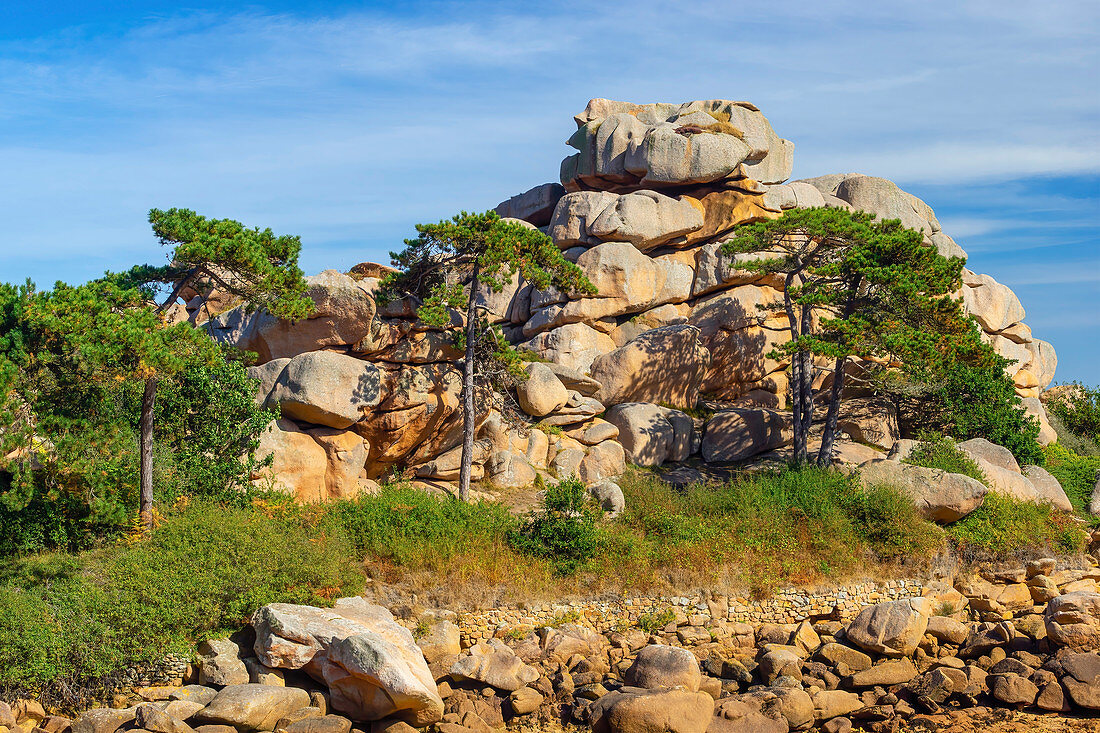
x=643 y=207
x=1021 y=639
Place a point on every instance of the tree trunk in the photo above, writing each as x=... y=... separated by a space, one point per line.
x=148 y=404
x=469 y=416
x=797 y=405
x=825 y=454
x=807 y=381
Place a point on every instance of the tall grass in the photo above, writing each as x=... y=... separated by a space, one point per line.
x=1005 y=528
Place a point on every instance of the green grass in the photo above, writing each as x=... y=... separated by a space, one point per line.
x=940 y=451
x=1004 y=527
x=796 y=526
x=654 y=621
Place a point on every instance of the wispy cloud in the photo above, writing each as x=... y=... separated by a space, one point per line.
x=347 y=127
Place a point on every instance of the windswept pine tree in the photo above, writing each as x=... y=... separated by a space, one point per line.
x=447 y=266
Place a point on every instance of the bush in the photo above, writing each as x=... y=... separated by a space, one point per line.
x=1004 y=526
x=940 y=451
x=967 y=394
x=67 y=620
x=1077 y=474
x=1078 y=407
x=1081 y=445
x=566 y=531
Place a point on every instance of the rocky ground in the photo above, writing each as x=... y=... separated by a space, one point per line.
x=1011 y=651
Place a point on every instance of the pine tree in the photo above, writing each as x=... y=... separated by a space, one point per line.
x=211 y=255
x=446 y=267
x=853 y=287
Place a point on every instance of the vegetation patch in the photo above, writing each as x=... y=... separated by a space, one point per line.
x=940 y=451
x=68 y=619
x=1004 y=527
x=1076 y=473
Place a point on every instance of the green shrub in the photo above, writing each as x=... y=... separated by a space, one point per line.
x=1078 y=407
x=940 y=451
x=1004 y=526
x=1077 y=474
x=1079 y=444
x=566 y=531
x=66 y=620
x=654 y=621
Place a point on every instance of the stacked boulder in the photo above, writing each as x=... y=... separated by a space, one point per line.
x=643 y=208
x=645 y=205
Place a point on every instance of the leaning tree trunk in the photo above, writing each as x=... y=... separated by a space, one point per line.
x=148 y=405
x=469 y=416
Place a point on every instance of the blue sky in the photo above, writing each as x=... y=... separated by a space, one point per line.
x=346 y=123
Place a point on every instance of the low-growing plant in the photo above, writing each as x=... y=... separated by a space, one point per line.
x=654 y=621
x=1007 y=527
x=66 y=620
x=940 y=451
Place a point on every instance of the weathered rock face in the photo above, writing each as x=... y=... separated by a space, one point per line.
x=343 y=310
x=643 y=208
x=662 y=366
x=940 y=496
x=370 y=664
x=734 y=435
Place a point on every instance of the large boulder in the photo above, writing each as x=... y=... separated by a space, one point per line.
x=651 y=434
x=994 y=305
x=1073 y=620
x=535 y=205
x=1047 y=488
x=652 y=711
x=626 y=281
x=494 y=664
x=370 y=663
x=326 y=388
x=664 y=365
x=884 y=199
x=893 y=628
x=647 y=219
x=739 y=434
x=299 y=464
x=997 y=455
x=659 y=666
x=940 y=496
x=573 y=346
x=343 y=310
x=542 y=392
x=252 y=707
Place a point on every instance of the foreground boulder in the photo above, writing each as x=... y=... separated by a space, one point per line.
x=641 y=711
x=892 y=629
x=371 y=665
x=252 y=707
x=1073 y=620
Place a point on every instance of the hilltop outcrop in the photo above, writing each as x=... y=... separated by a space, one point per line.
x=643 y=208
